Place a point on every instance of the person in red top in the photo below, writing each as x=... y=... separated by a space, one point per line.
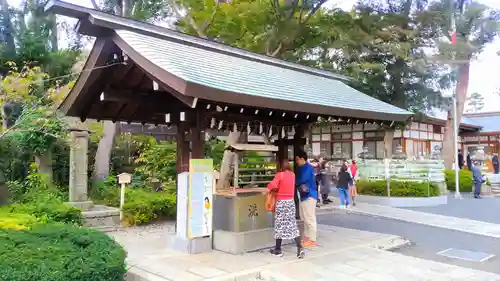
x=353 y=191
x=285 y=224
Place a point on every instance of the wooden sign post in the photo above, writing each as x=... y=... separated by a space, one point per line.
x=123 y=180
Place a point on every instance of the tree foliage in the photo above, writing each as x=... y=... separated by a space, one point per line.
x=475 y=102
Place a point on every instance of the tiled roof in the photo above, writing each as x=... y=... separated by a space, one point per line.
x=231 y=73
x=489 y=124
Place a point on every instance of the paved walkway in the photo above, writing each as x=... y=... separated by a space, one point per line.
x=459 y=224
x=341 y=253
x=368 y=264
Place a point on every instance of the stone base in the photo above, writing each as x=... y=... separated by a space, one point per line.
x=102 y=217
x=247 y=241
x=194 y=246
x=85 y=205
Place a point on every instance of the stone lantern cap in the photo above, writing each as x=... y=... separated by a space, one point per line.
x=478 y=154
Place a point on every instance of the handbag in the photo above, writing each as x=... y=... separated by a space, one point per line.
x=271 y=202
x=303 y=189
x=271 y=198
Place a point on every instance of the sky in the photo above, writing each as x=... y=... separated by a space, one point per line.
x=484 y=77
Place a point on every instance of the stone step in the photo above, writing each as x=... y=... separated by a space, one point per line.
x=104 y=228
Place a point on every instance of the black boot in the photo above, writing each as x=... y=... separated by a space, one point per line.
x=277 y=250
x=300 y=251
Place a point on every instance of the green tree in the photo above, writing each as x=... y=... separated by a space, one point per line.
x=39 y=127
x=475 y=102
x=275 y=28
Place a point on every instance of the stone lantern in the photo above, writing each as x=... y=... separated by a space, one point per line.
x=365 y=154
x=337 y=154
x=436 y=153
x=479 y=155
x=399 y=154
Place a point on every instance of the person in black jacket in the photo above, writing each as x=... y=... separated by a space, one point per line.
x=469 y=162
x=460 y=159
x=344 y=179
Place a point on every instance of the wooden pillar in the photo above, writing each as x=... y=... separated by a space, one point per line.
x=182 y=164
x=197 y=136
x=281 y=152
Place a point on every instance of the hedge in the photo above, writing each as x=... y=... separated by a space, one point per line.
x=60 y=252
x=49 y=212
x=398 y=188
x=141 y=205
x=465 y=180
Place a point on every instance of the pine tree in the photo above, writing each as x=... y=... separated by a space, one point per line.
x=475 y=102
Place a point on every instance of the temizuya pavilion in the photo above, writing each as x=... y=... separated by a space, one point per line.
x=138 y=72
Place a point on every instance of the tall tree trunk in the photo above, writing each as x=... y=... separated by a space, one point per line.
x=103 y=153
x=388 y=142
x=44 y=163
x=461 y=95
x=53 y=34
x=8 y=32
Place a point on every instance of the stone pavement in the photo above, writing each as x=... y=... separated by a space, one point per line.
x=454 y=223
x=149 y=255
x=369 y=264
x=342 y=254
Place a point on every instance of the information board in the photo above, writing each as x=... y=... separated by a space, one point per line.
x=200 y=197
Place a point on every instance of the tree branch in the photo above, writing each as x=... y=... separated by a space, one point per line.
x=94 y=4
x=278 y=50
x=189 y=19
x=212 y=17
x=313 y=11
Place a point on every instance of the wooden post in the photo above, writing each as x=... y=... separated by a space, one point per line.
x=197 y=138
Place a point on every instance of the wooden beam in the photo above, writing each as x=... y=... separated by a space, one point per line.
x=79 y=94
x=165 y=79
x=146 y=97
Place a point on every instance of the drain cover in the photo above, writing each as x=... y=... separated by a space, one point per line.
x=466 y=255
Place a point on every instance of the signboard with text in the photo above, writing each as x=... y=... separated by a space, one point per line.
x=200 y=197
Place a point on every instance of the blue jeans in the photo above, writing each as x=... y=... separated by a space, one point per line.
x=343 y=196
x=477 y=189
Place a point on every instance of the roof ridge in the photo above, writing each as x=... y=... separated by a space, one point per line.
x=482 y=114
x=76 y=11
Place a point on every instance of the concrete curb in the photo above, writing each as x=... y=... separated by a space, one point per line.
x=137 y=274
x=335 y=209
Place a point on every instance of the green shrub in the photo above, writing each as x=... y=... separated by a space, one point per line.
x=398 y=188
x=465 y=180
x=141 y=205
x=59 y=252
x=145 y=206
x=33 y=187
x=49 y=211
x=16 y=221
x=158 y=161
